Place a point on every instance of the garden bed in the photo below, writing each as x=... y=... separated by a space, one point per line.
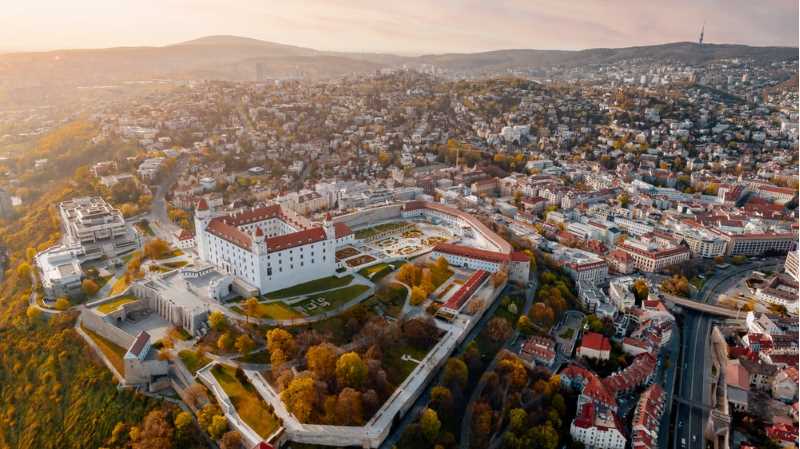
x=111 y=306
x=330 y=300
x=360 y=260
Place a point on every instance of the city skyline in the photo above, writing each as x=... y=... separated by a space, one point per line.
x=411 y=28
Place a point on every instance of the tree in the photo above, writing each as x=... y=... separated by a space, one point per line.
x=418 y=295
x=430 y=424
x=351 y=371
x=33 y=313
x=518 y=420
x=231 y=440
x=442 y=400
x=62 y=304
x=426 y=283
x=624 y=199
x=349 y=407
x=455 y=373
x=321 y=360
x=300 y=397
x=206 y=415
x=281 y=346
x=90 y=287
x=24 y=272
x=183 y=421
x=676 y=285
x=499 y=329
x=156 y=432
x=250 y=307
x=225 y=342
x=244 y=344
x=219 y=425
x=156 y=249
x=216 y=320
x=420 y=332
x=640 y=290
x=407 y=274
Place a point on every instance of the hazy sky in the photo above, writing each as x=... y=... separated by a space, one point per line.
x=404 y=26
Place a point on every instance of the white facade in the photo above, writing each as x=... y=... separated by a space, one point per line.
x=265 y=249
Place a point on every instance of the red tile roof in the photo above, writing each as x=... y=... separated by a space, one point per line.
x=342 y=230
x=462 y=294
x=299 y=238
x=472 y=253
x=139 y=343
x=598 y=342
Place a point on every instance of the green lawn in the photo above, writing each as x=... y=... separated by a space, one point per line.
x=275 y=311
x=144 y=226
x=111 y=306
x=335 y=298
x=393 y=299
x=261 y=356
x=249 y=405
x=397 y=368
x=113 y=352
x=193 y=360
x=310 y=287
x=369 y=272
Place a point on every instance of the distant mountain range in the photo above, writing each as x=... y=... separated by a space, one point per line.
x=240 y=58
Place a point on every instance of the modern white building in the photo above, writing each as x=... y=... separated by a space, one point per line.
x=266 y=247
x=99 y=229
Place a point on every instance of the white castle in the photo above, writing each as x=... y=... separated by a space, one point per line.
x=267 y=248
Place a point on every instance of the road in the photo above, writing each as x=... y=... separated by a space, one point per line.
x=158 y=216
x=692 y=385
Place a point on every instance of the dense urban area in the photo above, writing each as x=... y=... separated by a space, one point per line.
x=418 y=256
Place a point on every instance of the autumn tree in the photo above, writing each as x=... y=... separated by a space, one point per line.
x=430 y=425
x=24 y=272
x=455 y=373
x=640 y=290
x=418 y=296
x=499 y=278
x=300 y=397
x=231 y=440
x=244 y=344
x=442 y=400
x=281 y=346
x=62 y=304
x=218 y=427
x=156 y=248
x=407 y=274
x=33 y=313
x=499 y=329
x=349 y=407
x=225 y=342
x=351 y=371
x=321 y=360
x=250 y=307
x=216 y=320
x=156 y=432
x=89 y=287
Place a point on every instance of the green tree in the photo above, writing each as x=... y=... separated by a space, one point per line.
x=430 y=424
x=219 y=425
x=518 y=420
x=351 y=371
x=216 y=320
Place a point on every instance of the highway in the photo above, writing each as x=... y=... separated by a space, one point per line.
x=693 y=389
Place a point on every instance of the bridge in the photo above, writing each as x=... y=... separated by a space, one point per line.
x=703 y=307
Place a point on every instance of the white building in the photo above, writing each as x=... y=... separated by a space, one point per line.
x=99 y=229
x=267 y=248
x=791 y=265
x=597 y=429
x=620 y=294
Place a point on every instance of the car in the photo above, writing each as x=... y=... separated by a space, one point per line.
x=694 y=438
x=683 y=442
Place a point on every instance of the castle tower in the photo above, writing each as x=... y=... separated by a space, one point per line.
x=259 y=246
x=327 y=226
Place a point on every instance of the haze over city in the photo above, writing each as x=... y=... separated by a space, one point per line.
x=408 y=27
x=422 y=224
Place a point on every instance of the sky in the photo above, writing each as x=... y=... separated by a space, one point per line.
x=403 y=27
